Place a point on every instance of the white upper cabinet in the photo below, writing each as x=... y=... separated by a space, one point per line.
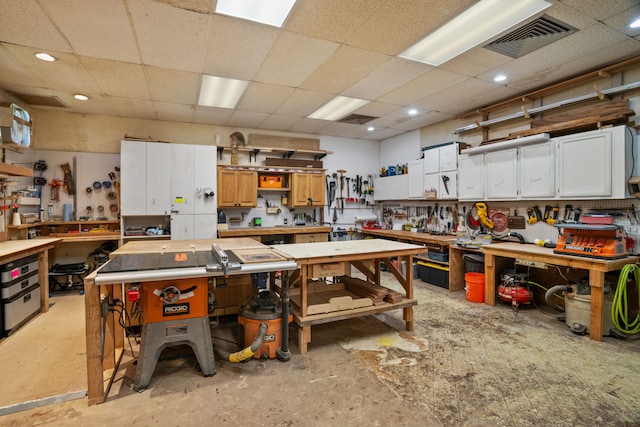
x=502 y=174
x=536 y=165
x=471 y=175
x=440 y=165
x=158 y=178
x=416 y=184
x=448 y=155
x=391 y=187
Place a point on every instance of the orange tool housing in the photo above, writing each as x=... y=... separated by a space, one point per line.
x=595 y=241
x=193 y=302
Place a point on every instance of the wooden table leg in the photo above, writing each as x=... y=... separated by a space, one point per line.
x=489 y=279
x=408 y=318
x=304 y=338
x=95 y=385
x=596 y=281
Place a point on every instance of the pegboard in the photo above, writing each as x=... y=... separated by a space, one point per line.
x=90 y=168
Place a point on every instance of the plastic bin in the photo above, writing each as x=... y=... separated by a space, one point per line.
x=434 y=274
x=442 y=256
x=473 y=263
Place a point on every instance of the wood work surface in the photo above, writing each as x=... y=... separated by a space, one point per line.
x=413 y=237
x=348 y=249
x=497 y=253
x=12 y=248
x=268 y=231
x=161 y=246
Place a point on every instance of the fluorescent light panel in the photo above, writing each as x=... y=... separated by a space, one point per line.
x=338 y=107
x=474 y=26
x=270 y=12
x=220 y=92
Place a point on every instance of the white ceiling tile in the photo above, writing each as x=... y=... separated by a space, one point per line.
x=600 y=10
x=277 y=121
x=195 y=5
x=308 y=126
x=263 y=98
x=98 y=28
x=293 y=58
x=25 y=23
x=118 y=78
x=423 y=120
x=431 y=82
x=169 y=37
x=386 y=77
x=344 y=68
x=246 y=119
x=13 y=70
x=376 y=109
x=173 y=112
x=236 y=48
x=212 y=116
x=303 y=102
x=180 y=87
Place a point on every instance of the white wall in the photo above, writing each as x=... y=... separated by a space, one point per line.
x=400 y=149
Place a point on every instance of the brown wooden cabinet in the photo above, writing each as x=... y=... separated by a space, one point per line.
x=237 y=188
x=307 y=189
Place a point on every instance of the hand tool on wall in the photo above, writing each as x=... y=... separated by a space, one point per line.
x=348 y=195
x=568 y=213
x=551 y=214
x=534 y=214
x=341 y=198
x=516 y=222
x=335 y=214
x=445 y=181
x=332 y=196
x=68 y=185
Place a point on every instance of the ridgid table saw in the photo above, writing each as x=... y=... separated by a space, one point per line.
x=172 y=282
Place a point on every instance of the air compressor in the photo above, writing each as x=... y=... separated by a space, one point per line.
x=514 y=288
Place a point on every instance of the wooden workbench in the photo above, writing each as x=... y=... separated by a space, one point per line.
x=439 y=242
x=332 y=256
x=12 y=250
x=106 y=347
x=298 y=233
x=496 y=253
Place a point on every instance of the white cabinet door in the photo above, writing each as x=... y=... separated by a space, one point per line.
x=182 y=227
x=431 y=161
x=471 y=177
x=205 y=226
x=536 y=165
x=448 y=157
x=182 y=180
x=415 y=176
x=450 y=189
x=158 y=178
x=205 y=179
x=502 y=174
x=432 y=182
x=391 y=187
x=133 y=178
x=584 y=165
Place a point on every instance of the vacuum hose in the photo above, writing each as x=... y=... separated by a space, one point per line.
x=548 y=296
x=620 y=307
x=248 y=352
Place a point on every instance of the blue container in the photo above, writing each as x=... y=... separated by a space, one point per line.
x=391 y=170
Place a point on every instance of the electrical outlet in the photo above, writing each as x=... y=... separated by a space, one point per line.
x=534 y=264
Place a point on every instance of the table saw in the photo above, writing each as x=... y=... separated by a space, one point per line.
x=172 y=279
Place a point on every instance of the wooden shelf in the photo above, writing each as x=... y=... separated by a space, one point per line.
x=13 y=170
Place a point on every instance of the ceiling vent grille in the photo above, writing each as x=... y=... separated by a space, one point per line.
x=40 y=101
x=356 y=119
x=532 y=36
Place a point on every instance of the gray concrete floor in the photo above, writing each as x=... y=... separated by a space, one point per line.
x=465 y=364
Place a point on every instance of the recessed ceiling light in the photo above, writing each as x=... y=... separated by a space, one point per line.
x=635 y=24
x=371 y=128
x=413 y=112
x=81 y=97
x=500 y=78
x=338 y=107
x=474 y=26
x=271 y=12
x=45 y=57
x=220 y=92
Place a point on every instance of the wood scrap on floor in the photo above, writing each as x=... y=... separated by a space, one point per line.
x=365 y=289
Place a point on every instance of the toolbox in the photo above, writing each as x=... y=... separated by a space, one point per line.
x=442 y=256
x=434 y=274
x=270 y=181
x=20 y=293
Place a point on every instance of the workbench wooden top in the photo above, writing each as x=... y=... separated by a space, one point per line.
x=542 y=254
x=266 y=231
x=361 y=249
x=410 y=236
x=161 y=246
x=11 y=247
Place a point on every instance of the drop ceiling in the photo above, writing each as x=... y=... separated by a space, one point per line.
x=144 y=58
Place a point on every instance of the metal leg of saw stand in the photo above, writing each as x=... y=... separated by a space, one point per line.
x=157 y=336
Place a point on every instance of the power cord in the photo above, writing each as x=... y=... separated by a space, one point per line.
x=620 y=307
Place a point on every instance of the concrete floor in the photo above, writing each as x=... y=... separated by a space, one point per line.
x=465 y=364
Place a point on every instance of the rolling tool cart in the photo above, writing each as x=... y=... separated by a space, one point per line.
x=20 y=293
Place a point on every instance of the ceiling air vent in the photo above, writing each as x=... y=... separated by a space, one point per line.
x=534 y=35
x=356 y=119
x=40 y=101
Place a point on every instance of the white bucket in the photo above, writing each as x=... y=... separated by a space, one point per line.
x=578 y=310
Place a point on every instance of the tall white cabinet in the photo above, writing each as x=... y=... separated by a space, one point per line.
x=169 y=184
x=440 y=167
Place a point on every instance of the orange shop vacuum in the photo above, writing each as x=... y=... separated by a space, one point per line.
x=266 y=308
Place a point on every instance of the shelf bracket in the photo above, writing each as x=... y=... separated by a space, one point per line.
x=319 y=156
x=220 y=150
x=288 y=154
x=254 y=153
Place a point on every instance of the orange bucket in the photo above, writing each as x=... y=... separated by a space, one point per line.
x=474 y=286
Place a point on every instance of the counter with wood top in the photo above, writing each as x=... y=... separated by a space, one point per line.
x=331 y=259
x=12 y=250
x=498 y=255
x=288 y=233
x=440 y=242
